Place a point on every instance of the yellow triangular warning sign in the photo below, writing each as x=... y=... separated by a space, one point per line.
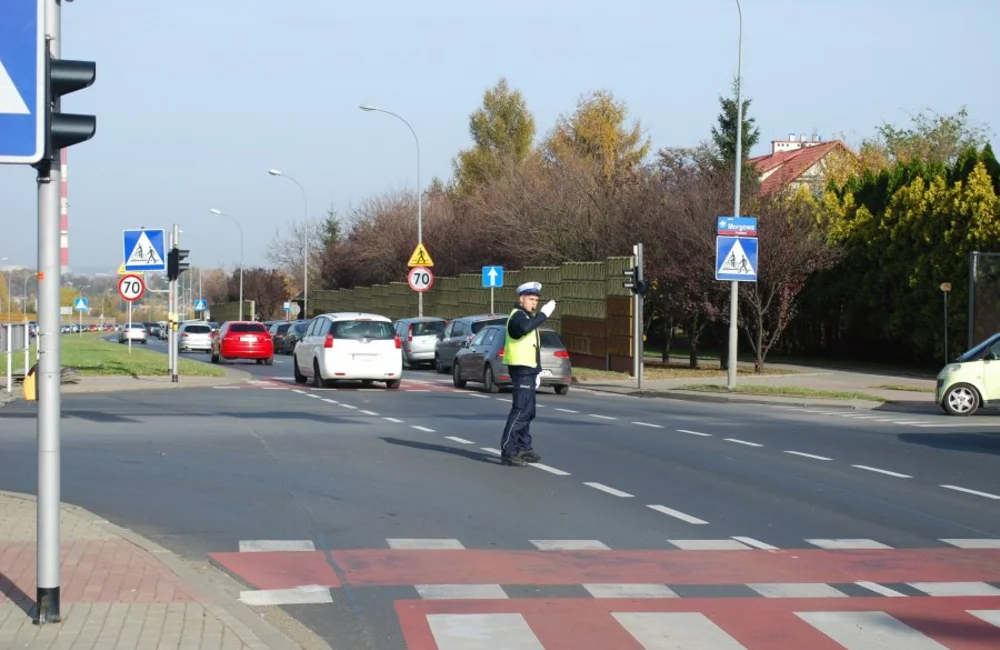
x=420 y=257
x=122 y=271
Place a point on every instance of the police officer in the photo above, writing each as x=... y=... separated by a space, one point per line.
x=522 y=356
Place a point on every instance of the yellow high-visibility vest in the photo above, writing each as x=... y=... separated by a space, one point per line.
x=522 y=351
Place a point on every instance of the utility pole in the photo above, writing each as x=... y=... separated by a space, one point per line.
x=638 y=286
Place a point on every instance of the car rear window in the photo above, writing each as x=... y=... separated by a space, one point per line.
x=551 y=340
x=136 y=326
x=363 y=329
x=432 y=328
x=248 y=327
x=198 y=329
x=480 y=324
x=281 y=329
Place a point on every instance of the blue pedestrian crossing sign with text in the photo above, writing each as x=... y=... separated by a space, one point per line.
x=492 y=277
x=201 y=304
x=80 y=304
x=145 y=250
x=736 y=259
x=22 y=81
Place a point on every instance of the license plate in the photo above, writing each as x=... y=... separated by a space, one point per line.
x=248 y=339
x=546 y=373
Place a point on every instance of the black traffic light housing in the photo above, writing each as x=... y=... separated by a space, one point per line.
x=175 y=263
x=636 y=284
x=65 y=77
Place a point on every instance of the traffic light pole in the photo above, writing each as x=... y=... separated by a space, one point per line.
x=175 y=242
x=49 y=373
x=638 y=321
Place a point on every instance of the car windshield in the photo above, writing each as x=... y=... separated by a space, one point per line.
x=248 y=327
x=551 y=340
x=363 y=329
x=197 y=329
x=480 y=324
x=431 y=328
x=977 y=352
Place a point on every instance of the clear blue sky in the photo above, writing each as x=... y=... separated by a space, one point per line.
x=196 y=99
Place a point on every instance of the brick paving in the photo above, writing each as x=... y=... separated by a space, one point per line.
x=118 y=592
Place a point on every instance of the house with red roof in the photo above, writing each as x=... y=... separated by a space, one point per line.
x=797 y=161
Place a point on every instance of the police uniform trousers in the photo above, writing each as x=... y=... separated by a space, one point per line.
x=517 y=432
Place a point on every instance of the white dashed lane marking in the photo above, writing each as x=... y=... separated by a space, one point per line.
x=975 y=492
x=610 y=490
x=677 y=514
x=743 y=442
x=805 y=455
x=461 y=441
x=881 y=471
x=420 y=428
x=694 y=433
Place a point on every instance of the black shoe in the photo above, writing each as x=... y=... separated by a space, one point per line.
x=530 y=456
x=513 y=461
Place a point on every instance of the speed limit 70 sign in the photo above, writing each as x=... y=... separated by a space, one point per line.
x=131 y=287
x=420 y=279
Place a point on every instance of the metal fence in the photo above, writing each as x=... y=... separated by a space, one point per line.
x=15 y=338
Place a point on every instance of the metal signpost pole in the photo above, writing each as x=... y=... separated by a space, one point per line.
x=640 y=329
x=734 y=286
x=170 y=314
x=492 y=310
x=10 y=357
x=176 y=242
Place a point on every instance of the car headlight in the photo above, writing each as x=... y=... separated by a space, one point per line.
x=952 y=367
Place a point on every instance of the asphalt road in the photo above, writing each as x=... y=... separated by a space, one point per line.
x=386 y=515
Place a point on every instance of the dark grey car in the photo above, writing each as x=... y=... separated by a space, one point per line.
x=461 y=330
x=481 y=361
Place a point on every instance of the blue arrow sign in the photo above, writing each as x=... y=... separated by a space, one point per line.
x=80 y=304
x=144 y=250
x=22 y=81
x=492 y=277
x=736 y=259
x=201 y=304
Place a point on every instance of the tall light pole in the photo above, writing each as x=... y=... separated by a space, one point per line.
x=305 y=241
x=420 y=201
x=4 y=259
x=220 y=212
x=734 y=286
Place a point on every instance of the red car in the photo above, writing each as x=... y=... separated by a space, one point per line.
x=243 y=340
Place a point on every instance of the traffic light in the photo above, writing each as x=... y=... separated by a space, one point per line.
x=65 y=77
x=175 y=263
x=636 y=284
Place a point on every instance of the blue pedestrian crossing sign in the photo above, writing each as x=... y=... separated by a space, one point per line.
x=145 y=250
x=201 y=304
x=736 y=259
x=80 y=304
x=22 y=81
x=492 y=277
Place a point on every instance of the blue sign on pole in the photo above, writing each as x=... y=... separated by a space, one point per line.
x=736 y=226
x=492 y=277
x=145 y=250
x=201 y=304
x=22 y=81
x=736 y=259
x=80 y=304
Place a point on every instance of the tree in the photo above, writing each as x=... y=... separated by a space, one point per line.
x=215 y=286
x=597 y=131
x=289 y=243
x=266 y=287
x=502 y=130
x=791 y=248
x=724 y=135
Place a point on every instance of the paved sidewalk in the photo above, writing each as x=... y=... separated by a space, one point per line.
x=119 y=591
x=804 y=377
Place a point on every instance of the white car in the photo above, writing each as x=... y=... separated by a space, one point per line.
x=349 y=346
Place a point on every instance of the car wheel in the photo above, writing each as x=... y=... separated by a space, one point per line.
x=438 y=366
x=317 y=378
x=489 y=381
x=561 y=389
x=299 y=377
x=393 y=384
x=961 y=399
x=269 y=361
x=456 y=378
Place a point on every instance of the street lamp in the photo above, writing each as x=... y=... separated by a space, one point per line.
x=420 y=215
x=734 y=286
x=305 y=241
x=221 y=213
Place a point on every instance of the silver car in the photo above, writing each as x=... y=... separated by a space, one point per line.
x=419 y=337
x=194 y=337
x=136 y=332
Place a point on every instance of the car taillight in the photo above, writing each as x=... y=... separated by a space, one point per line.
x=500 y=354
x=328 y=343
x=184 y=335
x=399 y=344
x=409 y=332
x=562 y=354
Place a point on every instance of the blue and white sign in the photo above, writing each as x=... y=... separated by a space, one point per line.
x=22 y=81
x=145 y=250
x=201 y=304
x=80 y=304
x=736 y=259
x=736 y=226
x=288 y=306
x=492 y=277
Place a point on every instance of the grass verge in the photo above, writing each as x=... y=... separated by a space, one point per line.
x=90 y=355
x=785 y=391
x=672 y=371
x=904 y=387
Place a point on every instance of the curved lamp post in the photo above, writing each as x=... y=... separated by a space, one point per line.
x=221 y=213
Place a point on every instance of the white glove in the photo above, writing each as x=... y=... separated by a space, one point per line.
x=538 y=380
x=548 y=308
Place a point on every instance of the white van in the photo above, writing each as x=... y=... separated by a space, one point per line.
x=346 y=346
